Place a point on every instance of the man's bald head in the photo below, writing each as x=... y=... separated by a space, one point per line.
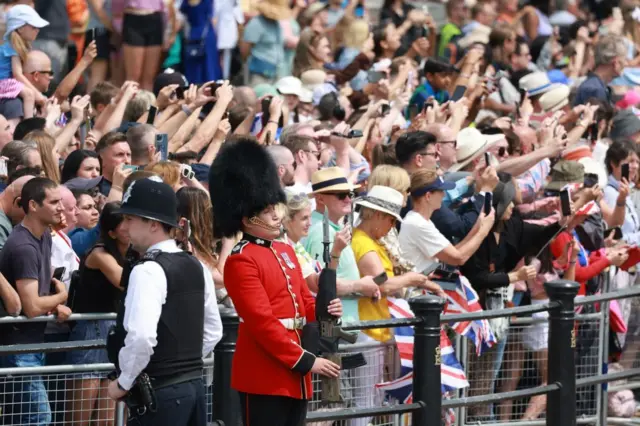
x=245 y=96
x=70 y=211
x=37 y=69
x=36 y=59
x=15 y=188
x=10 y=199
x=285 y=162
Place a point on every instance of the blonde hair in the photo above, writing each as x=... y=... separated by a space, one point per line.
x=421 y=178
x=296 y=203
x=167 y=170
x=46 y=145
x=340 y=30
x=20 y=45
x=356 y=34
x=392 y=176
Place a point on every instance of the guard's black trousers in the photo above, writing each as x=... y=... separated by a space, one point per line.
x=183 y=404
x=272 y=410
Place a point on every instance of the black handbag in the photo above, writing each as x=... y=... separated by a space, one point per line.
x=196 y=48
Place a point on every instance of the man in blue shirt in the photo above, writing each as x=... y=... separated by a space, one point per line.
x=610 y=59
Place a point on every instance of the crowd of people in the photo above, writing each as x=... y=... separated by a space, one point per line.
x=133 y=131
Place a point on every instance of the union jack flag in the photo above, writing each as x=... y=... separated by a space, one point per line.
x=463 y=300
x=452 y=374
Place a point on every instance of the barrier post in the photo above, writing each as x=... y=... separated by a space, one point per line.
x=426 y=360
x=561 y=404
x=226 y=402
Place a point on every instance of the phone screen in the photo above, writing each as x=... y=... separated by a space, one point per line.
x=488 y=201
x=565 y=203
x=458 y=93
x=152 y=114
x=590 y=180
x=617 y=233
x=59 y=272
x=162 y=146
x=380 y=279
x=624 y=173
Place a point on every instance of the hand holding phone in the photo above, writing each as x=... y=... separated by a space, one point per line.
x=162 y=146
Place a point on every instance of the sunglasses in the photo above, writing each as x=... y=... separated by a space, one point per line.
x=49 y=73
x=342 y=195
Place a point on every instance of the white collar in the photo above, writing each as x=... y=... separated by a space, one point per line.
x=168 y=246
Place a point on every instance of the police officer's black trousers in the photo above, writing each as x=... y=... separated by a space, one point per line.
x=183 y=404
x=272 y=410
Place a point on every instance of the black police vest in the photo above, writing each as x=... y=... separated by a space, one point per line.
x=181 y=325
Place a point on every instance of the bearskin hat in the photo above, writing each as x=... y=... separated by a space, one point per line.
x=243 y=181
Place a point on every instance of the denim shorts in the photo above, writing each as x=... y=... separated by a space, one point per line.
x=90 y=330
x=25 y=400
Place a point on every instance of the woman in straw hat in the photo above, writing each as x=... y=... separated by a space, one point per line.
x=380 y=210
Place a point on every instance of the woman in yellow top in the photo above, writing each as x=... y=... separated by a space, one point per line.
x=379 y=211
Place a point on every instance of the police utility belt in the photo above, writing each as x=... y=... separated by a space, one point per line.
x=291 y=323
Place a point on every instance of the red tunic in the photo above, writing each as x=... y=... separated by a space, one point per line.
x=264 y=280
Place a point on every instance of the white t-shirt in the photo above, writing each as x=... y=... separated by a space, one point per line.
x=299 y=188
x=420 y=241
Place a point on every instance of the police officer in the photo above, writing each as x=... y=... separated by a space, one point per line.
x=170 y=314
x=271 y=367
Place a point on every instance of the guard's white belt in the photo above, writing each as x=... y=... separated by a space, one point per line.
x=291 y=323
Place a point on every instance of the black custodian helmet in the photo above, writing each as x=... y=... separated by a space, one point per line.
x=153 y=199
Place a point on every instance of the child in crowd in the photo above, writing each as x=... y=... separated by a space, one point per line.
x=23 y=25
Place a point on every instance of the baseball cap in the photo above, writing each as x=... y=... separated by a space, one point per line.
x=167 y=78
x=437 y=185
x=82 y=184
x=21 y=15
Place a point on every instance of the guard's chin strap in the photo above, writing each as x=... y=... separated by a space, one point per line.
x=262 y=224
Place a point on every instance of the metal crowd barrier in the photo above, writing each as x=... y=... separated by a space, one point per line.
x=563 y=379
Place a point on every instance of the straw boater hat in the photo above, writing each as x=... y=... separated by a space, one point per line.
x=555 y=99
x=276 y=10
x=383 y=199
x=331 y=179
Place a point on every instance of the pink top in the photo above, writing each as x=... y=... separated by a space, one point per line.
x=155 y=5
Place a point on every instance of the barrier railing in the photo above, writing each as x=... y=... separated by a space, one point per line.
x=427 y=407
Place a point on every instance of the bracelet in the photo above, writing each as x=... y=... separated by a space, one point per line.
x=272 y=121
x=119 y=188
x=620 y=204
x=463 y=75
x=186 y=110
x=333 y=256
x=572 y=262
